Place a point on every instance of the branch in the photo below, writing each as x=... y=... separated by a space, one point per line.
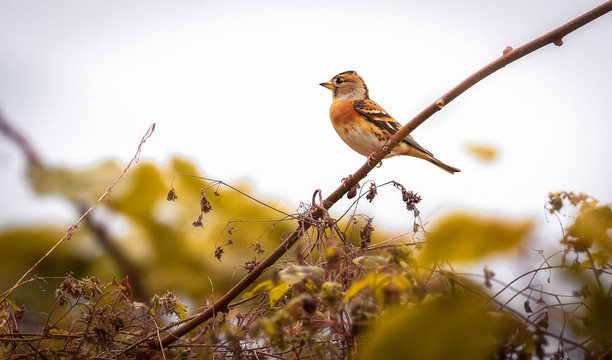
x=22 y=143
x=127 y=266
x=510 y=55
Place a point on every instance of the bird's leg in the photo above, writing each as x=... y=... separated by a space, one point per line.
x=346 y=179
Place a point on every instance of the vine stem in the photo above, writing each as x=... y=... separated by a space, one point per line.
x=305 y=222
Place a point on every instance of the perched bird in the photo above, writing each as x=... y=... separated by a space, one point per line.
x=364 y=125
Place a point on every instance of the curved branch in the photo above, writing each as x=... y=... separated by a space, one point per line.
x=510 y=55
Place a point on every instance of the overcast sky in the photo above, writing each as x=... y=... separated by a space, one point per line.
x=233 y=85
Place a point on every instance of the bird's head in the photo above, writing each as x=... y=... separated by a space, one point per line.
x=347 y=85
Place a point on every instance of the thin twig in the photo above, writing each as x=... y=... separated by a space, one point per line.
x=220 y=182
x=76 y=224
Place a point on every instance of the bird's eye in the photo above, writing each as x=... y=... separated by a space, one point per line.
x=339 y=81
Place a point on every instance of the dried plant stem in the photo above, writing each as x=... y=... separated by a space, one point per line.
x=510 y=55
x=76 y=224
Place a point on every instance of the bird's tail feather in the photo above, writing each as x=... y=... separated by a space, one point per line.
x=426 y=155
x=443 y=166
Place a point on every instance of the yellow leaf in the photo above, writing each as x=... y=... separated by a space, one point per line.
x=483 y=152
x=82 y=185
x=180 y=310
x=433 y=331
x=401 y=282
x=372 y=281
x=585 y=265
x=355 y=289
x=277 y=292
x=465 y=236
x=594 y=225
x=261 y=287
x=268 y=326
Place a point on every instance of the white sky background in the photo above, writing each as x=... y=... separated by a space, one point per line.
x=234 y=86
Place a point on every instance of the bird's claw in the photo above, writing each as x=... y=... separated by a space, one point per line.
x=370 y=157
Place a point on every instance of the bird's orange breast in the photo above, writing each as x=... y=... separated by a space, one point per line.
x=342 y=114
x=361 y=135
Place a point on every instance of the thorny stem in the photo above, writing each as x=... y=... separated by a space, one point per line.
x=510 y=55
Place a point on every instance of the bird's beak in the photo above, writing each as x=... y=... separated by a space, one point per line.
x=327 y=85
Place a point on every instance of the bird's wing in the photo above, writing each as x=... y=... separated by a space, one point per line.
x=375 y=114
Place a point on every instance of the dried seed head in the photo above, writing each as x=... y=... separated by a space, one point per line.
x=171 y=195
x=198 y=222
x=205 y=205
x=371 y=193
x=366 y=233
x=219 y=252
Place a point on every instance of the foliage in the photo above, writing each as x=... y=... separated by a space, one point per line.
x=348 y=291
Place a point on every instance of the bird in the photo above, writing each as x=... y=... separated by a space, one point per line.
x=364 y=125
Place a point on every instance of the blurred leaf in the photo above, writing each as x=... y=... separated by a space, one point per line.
x=22 y=246
x=465 y=236
x=370 y=261
x=601 y=259
x=600 y=314
x=452 y=327
x=277 y=292
x=372 y=281
x=505 y=323
x=261 y=287
x=330 y=292
x=155 y=235
x=592 y=225
x=311 y=276
x=82 y=185
x=380 y=285
x=482 y=152
x=401 y=282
